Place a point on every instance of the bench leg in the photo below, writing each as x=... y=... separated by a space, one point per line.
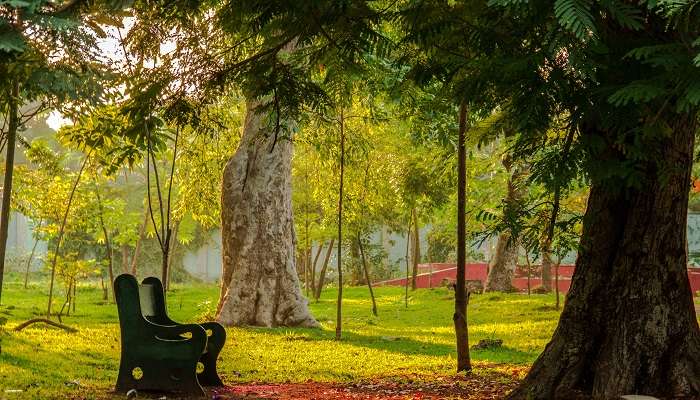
x=179 y=378
x=209 y=376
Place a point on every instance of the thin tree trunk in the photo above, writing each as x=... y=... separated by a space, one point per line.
x=408 y=261
x=75 y=294
x=322 y=273
x=259 y=282
x=125 y=259
x=339 y=305
x=108 y=243
x=173 y=248
x=416 y=247
x=529 y=267
x=61 y=232
x=13 y=125
x=628 y=325
x=461 y=296
x=313 y=268
x=430 y=263
x=556 y=281
x=366 y=269
x=139 y=240
x=105 y=290
x=31 y=258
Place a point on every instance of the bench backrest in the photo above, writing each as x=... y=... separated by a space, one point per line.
x=139 y=304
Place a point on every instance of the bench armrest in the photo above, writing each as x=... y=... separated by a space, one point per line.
x=175 y=332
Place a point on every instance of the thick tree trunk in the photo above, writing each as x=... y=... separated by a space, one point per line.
x=546 y=267
x=322 y=273
x=259 y=284
x=502 y=265
x=505 y=259
x=628 y=325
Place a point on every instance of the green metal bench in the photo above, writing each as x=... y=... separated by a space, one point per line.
x=157 y=353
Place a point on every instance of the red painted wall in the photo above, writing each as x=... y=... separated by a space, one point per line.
x=479 y=271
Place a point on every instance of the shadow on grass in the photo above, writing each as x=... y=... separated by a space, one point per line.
x=395 y=344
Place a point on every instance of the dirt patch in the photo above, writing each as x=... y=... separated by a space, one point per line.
x=472 y=386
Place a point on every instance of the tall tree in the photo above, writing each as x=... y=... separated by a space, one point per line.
x=612 y=88
x=47 y=60
x=461 y=295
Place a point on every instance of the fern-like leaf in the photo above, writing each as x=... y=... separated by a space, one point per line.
x=575 y=16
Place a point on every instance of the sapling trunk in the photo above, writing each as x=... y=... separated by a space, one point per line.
x=61 y=231
x=313 y=268
x=369 y=281
x=416 y=248
x=408 y=248
x=529 y=266
x=139 y=240
x=322 y=273
x=108 y=243
x=31 y=258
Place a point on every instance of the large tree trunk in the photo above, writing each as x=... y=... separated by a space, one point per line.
x=546 y=276
x=628 y=324
x=502 y=265
x=259 y=284
x=505 y=259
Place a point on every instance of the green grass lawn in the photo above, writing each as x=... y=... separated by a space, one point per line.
x=50 y=363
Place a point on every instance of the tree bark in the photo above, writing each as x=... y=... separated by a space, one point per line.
x=366 y=270
x=259 y=284
x=461 y=299
x=339 y=303
x=125 y=260
x=416 y=248
x=505 y=259
x=546 y=266
x=108 y=243
x=529 y=269
x=13 y=125
x=408 y=258
x=171 y=252
x=502 y=265
x=313 y=268
x=322 y=273
x=31 y=258
x=137 y=247
x=556 y=282
x=628 y=323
